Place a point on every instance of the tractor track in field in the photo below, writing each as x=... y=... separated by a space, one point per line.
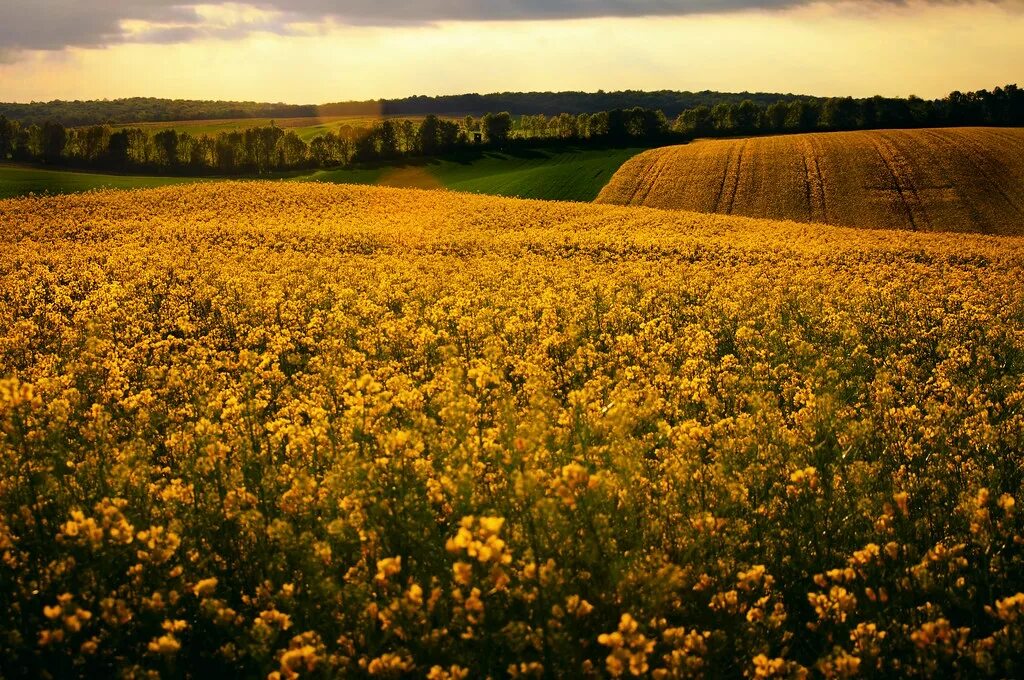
x=976 y=214
x=814 y=183
x=661 y=166
x=977 y=154
x=736 y=178
x=904 y=186
x=730 y=183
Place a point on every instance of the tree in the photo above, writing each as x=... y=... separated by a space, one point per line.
x=497 y=127
x=616 y=129
x=166 y=148
x=204 y=153
x=408 y=136
x=260 y=146
x=26 y=143
x=775 y=117
x=567 y=126
x=291 y=151
x=921 y=111
x=534 y=126
x=599 y=124
x=429 y=135
x=365 y=146
x=583 y=125
x=187 y=145
x=387 y=139
x=1014 y=105
x=869 y=112
x=695 y=122
x=893 y=113
x=803 y=116
x=747 y=117
x=93 y=142
x=449 y=135
x=118 y=148
x=840 y=113
x=7 y=133
x=724 y=118
x=346 y=141
x=321 y=151
x=141 y=149
x=53 y=138
x=230 y=151
x=646 y=123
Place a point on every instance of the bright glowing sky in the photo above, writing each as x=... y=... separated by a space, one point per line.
x=309 y=51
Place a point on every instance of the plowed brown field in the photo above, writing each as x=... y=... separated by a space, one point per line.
x=954 y=179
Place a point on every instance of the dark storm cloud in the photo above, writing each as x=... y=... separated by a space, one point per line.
x=56 y=24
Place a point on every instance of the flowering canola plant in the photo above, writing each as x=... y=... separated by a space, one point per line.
x=266 y=430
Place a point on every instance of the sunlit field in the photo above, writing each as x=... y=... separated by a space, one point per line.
x=563 y=340
x=570 y=174
x=267 y=429
x=567 y=174
x=958 y=179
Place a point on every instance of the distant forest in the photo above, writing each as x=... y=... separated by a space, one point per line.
x=269 y=148
x=148 y=110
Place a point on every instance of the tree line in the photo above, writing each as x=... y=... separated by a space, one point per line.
x=269 y=148
x=253 y=150
x=1003 y=106
x=151 y=110
x=672 y=103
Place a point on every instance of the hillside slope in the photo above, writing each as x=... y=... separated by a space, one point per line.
x=956 y=179
x=559 y=175
x=570 y=174
x=236 y=418
x=23 y=180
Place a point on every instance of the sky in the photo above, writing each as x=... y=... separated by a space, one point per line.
x=319 y=51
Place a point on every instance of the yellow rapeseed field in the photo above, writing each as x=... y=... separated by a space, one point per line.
x=274 y=430
x=960 y=179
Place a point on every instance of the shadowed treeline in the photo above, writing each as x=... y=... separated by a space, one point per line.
x=673 y=104
x=145 y=109
x=265 y=148
x=269 y=148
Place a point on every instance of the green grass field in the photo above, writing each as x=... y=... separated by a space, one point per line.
x=563 y=175
x=566 y=175
x=21 y=181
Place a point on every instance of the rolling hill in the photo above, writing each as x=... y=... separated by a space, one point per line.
x=241 y=416
x=562 y=174
x=20 y=180
x=956 y=179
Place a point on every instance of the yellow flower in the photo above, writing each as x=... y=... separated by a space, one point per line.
x=387 y=568
x=205 y=587
x=463 y=573
x=165 y=644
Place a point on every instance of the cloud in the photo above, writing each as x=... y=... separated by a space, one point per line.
x=57 y=24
